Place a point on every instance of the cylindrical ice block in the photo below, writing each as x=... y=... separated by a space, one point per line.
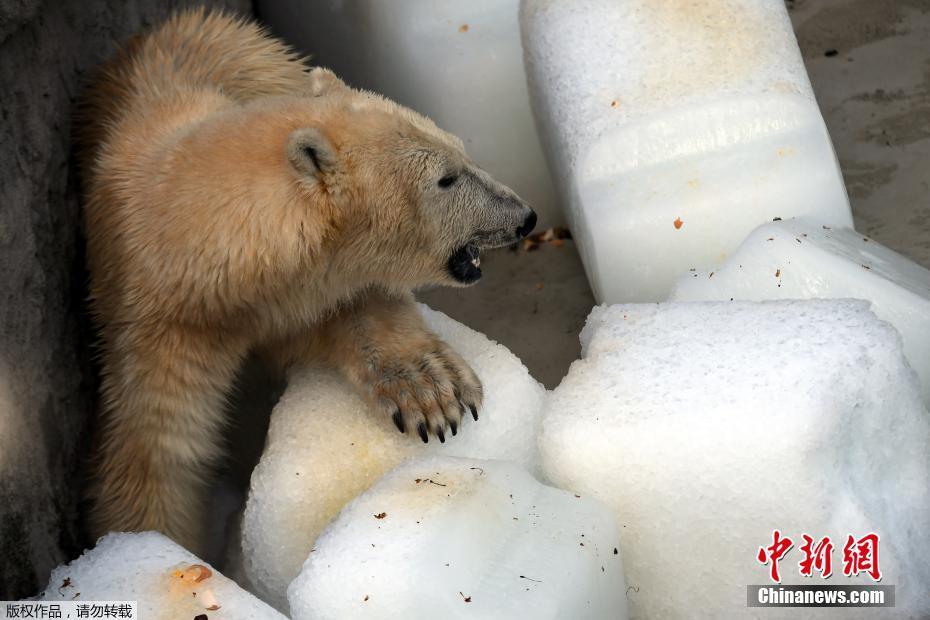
x=673 y=128
x=459 y=63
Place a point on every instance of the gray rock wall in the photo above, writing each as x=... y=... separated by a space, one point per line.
x=46 y=379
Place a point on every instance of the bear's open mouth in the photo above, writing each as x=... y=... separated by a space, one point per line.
x=465 y=264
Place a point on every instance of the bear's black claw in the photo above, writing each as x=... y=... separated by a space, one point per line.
x=421 y=429
x=399 y=421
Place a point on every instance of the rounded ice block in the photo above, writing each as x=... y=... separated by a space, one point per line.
x=459 y=63
x=325 y=446
x=462 y=538
x=706 y=426
x=167 y=581
x=674 y=128
x=802 y=259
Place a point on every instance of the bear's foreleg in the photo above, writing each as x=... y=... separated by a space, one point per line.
x=163 y=392
x=402 y=369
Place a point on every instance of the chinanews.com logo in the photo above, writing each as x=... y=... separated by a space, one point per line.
x=860 y=556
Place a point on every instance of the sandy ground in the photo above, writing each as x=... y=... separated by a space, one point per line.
x=875 y=96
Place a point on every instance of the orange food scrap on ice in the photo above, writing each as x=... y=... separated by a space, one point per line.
x=195 y=573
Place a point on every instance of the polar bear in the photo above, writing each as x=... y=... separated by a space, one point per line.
x=237 y=201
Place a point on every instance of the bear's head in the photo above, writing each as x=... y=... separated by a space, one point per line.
x=405 y=202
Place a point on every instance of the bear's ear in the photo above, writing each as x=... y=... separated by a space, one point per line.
x=324 y=82
x=310 y=152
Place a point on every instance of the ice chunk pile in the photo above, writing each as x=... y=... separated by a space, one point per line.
x=676 y=129
x=325 y=447
x=168 y=581
x=462 y=538
x=460 y=63
x=706 y=426
x=799 y=259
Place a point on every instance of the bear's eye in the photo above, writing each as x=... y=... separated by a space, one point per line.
x=448 y=181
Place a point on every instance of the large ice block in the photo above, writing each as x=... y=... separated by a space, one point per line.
x=707 y=426
x=800 y=259
x=324 y=447
x=674 y=129
x=464 y=538
x=460 y=63
x=166 y=580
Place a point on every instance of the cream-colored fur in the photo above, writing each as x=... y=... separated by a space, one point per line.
x=237 y=201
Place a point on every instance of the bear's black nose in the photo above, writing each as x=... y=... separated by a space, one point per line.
x=528 y=224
